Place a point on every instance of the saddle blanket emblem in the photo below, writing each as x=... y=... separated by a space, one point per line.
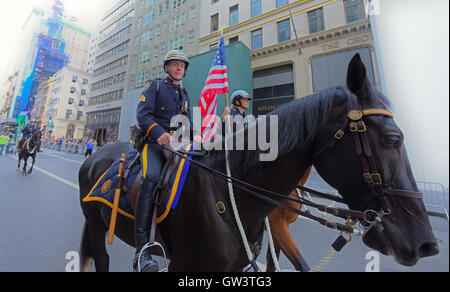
x=104 y=190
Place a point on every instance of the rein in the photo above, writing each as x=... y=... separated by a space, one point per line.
x=371 y=176
x=246 y=187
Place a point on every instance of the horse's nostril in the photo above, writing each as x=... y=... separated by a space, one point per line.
x=428 y=250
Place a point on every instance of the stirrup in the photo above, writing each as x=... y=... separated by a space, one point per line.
x=147 y=246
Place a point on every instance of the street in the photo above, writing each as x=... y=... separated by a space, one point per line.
x=41 y=224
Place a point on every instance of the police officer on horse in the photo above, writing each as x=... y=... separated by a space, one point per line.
x=240 y=101
x=159 y=103
x=28 y=131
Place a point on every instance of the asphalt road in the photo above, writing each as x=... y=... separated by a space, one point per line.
x=41 y=224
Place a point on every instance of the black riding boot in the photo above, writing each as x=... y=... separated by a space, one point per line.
x=144 y=214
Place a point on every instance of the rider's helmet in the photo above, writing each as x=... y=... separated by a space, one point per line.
x=176 y=55
x=238 y=95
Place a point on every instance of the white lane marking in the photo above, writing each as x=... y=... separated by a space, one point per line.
x=64 y=181
x=70 y=184
x=56 y=156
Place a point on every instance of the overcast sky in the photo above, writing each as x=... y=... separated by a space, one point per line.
x=14 y=13
x=414 y=43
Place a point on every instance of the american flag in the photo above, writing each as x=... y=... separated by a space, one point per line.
x=216 y=83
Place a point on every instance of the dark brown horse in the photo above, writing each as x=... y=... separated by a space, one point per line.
x=197 y=236
x=28 y=149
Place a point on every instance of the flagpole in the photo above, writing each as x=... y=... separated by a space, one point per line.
x=227 y=102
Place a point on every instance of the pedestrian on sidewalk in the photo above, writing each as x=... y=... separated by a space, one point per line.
x=89 y=148
x=4 y=139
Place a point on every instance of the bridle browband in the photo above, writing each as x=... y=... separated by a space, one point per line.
x=370 y=174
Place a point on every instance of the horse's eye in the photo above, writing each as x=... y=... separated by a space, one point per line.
x=393 y=140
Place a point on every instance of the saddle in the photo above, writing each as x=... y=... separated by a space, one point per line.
x=173 y=177
x=169 y=168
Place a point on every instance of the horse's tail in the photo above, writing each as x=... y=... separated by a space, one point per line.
x=86 y=254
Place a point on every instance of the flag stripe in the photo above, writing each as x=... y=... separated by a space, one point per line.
x=216 y=83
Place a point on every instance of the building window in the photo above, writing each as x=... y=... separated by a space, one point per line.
x=284 y=30
x=281 y=3
x=234 y=39
x=316 y=20
x=215 y=22
x=256 y=7
x=71 y=100
x=257 y=39
x=234 y=14
x=272 y=88
x=354 y=10
x=74 y=78
x=73 y=90
x=191 y=37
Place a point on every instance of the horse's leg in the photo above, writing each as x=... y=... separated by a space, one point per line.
x=269 y=260
x=32 y=164
x=280 y=221
x=86 y=255
x=18 y=163
x=24 y=170
x=95 y=240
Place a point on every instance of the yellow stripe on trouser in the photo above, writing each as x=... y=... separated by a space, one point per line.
x=144 y=160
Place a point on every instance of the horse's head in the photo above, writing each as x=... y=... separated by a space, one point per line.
x=367 y=162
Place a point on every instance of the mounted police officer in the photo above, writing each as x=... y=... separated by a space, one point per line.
x=28 y=131
x=159 y=103
x=240 y=101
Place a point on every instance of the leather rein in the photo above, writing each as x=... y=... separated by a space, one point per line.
x=371 y=176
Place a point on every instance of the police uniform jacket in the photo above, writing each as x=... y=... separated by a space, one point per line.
x=29 y=130
x=159 y=104
x=235 y=112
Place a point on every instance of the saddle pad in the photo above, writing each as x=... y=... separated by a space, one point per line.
x=104 y=190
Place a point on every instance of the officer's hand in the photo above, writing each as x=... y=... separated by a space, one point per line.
x=226 y=112
x=164 y=139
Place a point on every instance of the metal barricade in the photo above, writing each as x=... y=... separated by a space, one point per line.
x=436 y=198
x=9 y=149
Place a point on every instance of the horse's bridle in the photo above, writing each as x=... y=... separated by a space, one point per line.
x=370 y=174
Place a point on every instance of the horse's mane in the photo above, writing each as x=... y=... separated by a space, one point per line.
x=298 y=123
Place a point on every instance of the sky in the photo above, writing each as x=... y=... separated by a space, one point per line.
x=14 y=13
x=414 y=50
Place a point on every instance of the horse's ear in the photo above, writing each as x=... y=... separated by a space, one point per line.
x=357 y=80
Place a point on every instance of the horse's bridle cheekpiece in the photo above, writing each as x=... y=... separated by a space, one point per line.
x=371 y=176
